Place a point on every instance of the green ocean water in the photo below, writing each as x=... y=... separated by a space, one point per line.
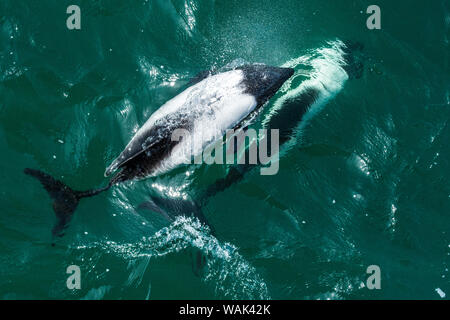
x=364 y=184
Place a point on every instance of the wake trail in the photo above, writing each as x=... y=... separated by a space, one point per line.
x=226 y=271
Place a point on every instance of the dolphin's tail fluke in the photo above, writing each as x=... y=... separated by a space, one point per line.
x=65 y=200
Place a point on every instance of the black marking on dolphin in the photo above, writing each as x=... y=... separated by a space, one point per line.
x=148 y=150
x=152 y=145
x=264 y=81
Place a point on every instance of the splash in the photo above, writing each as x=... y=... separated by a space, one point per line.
x=325 y=75
x=226 y=271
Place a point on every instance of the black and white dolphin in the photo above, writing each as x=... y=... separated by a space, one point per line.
x=212 y=104
x=331 y=67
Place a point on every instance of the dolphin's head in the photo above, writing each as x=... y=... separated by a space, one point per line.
x=263 y=81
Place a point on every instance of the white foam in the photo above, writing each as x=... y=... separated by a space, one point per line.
x=226 y=271
x=327 y=77
x=440 y=292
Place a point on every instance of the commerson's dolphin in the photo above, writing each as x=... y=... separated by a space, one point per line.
x=332 y=66
x=212 y=104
